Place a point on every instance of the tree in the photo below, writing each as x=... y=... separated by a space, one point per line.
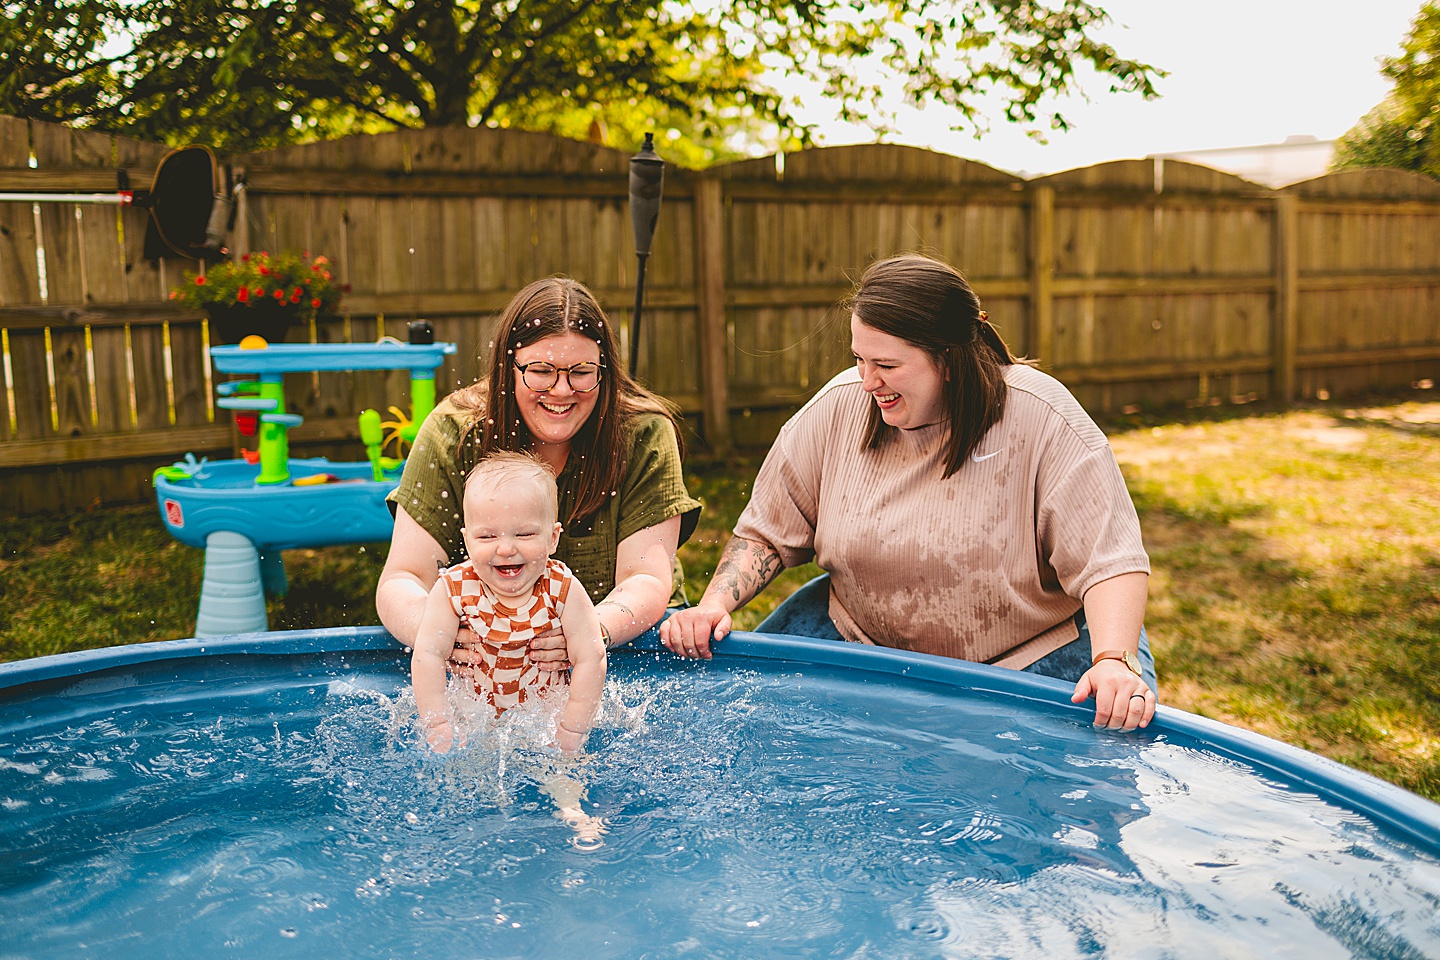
x=1402 y=131
x=246 y=74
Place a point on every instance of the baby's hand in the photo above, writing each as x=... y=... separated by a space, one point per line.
x=569 y=741
x=440 y=734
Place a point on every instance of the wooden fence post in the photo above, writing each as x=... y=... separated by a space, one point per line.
x=710 y=300
x=1041 y=335
x=1287 y=297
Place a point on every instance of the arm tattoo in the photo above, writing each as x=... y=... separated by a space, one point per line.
x=616 y=603
x=745 y=568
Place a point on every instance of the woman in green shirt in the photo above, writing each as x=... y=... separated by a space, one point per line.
x=564 y=395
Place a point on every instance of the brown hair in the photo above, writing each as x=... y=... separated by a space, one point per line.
x=515 y=466
x=930 y=305
x=552 y=307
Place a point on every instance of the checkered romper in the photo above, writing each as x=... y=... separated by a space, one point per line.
x=505 y=676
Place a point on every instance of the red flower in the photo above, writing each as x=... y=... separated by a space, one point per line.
x=243 y=295
x=315 y=303
x=258 y=292
x=244 y=258
x=199 y=281
x=174 y=294
x=279 y=294
x=264 y=271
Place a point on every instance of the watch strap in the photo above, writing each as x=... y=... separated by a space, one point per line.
x=1124 y=656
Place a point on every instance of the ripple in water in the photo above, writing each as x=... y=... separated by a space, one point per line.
x=283 y=808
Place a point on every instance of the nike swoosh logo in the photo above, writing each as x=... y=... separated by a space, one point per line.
x=978 y=459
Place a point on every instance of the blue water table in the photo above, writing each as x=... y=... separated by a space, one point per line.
x=245 y=511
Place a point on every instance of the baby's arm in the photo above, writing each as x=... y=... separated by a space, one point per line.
x=434 y=641
x=586 y=649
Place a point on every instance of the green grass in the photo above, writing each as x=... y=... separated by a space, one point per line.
x=1296 y=585
x=113 y=576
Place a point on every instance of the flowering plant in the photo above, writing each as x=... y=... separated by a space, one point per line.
x=292 y=283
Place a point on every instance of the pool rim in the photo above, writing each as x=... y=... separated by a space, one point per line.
x=1384 y=803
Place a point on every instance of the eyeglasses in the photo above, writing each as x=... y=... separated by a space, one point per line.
x=540 y=377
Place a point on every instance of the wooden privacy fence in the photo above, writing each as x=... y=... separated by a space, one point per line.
x=1135 y=282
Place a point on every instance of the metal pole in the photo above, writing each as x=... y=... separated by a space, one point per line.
x=640 y=259
x=647 y=184
x=116 y=198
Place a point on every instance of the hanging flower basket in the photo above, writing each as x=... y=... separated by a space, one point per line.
x=233 y=322
x=261 y=294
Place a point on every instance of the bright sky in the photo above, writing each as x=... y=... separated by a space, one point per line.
x=1242 y=73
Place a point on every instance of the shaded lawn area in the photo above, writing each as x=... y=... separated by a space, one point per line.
x=1296 y=586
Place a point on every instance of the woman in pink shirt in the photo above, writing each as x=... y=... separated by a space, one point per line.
x=962 y=503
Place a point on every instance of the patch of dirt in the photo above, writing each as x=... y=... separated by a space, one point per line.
x=1421 y=418
x=1335 y=435
x=1134 y=450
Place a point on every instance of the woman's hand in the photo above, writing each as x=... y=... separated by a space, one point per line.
x=1122 y=700
x=548 y=650
x=689 y=632
x=744 y=569
x=1115 y=610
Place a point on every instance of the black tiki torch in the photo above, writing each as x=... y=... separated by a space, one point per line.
x=647 y=183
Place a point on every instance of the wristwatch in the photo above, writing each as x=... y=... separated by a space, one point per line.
x=1124 y=656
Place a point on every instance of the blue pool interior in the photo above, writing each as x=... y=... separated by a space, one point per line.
x=264 y=795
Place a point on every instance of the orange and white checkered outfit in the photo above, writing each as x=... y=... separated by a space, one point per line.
x=505 y=676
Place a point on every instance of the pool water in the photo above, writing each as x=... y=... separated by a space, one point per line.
x=280 y=806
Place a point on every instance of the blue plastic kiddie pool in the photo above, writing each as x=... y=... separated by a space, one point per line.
x=264 y=796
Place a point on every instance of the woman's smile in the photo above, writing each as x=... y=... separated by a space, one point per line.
x=905 y=382
x=555 y=415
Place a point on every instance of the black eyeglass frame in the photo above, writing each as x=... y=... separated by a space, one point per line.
x=599 y=375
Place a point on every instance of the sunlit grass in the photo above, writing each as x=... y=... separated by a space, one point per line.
x=1297 y=579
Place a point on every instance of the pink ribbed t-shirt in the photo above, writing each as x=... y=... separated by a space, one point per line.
x=987 y=565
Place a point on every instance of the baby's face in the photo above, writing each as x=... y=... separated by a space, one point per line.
x=509 y=533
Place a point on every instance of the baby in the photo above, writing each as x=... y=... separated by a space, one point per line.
x=508 y=591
